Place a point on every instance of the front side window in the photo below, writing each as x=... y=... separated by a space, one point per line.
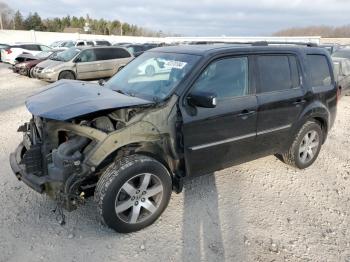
x=153 y=75
x=277 y=73
x=319 y=70
x=87 y=56
x=226 y=78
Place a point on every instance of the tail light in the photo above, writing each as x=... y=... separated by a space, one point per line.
x=8 y=51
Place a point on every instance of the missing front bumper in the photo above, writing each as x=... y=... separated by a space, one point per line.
x=35 y=182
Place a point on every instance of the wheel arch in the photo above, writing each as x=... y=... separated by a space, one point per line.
x=316 y=112
x=67 y=70
x=150 y=149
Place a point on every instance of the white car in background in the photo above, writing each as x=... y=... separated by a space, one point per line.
x=10 y=54
x=156 y=66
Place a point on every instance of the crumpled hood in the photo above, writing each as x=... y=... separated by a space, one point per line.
x=67 y=99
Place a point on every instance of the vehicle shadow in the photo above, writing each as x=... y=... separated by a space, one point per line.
x=202 y=237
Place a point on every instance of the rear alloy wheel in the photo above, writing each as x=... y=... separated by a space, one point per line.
x=66 y=75
x=305 y=147
x=132 y=193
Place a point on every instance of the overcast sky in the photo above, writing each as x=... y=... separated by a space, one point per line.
x=200 y=17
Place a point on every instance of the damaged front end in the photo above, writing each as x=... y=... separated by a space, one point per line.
x=50 y=160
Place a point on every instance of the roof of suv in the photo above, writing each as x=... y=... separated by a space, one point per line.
x=220 y=48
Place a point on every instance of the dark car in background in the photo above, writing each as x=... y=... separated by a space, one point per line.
x=26 y=67
x=342 y=74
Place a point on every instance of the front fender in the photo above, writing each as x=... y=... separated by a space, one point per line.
x=133 y=134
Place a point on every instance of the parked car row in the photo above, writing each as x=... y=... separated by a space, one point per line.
x=87 y=62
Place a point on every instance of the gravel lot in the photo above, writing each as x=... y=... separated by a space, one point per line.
x=258 y=211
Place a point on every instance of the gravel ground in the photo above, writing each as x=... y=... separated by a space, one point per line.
x=258 y=211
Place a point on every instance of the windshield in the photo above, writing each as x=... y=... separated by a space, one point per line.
x=153 y=75
x=66 y=55
x=343 y=53
x=68 y=44
x=43 y=54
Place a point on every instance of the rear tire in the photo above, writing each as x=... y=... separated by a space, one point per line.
x=306 y=146
x=31 y=72
x=132 y=193
x=66 y=75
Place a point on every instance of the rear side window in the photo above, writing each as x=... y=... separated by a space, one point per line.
x=319 y=70
x=80 y=43
x=31 y=47
x=120 y=53
x=277 y=72
x=103 y=54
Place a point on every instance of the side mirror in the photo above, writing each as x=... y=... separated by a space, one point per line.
x=101 y=82
x=202 y=99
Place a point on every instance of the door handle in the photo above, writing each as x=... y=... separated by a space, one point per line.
x=246 y=113
x=299 y=102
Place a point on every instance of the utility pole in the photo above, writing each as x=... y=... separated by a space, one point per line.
x=1 y=26
x=121 y=28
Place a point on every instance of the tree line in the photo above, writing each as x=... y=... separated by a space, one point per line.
x=10 y=19
x=323 y=31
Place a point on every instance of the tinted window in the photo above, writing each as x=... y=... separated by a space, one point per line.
x=103 y=54
x=87 y=56
x=31 y=47
x=226 y=78
x=274 y=72
x=89 y=43
x=294 y=69
x=319 y=70
x=106 y=43
x=120 y=53
x=80 y=43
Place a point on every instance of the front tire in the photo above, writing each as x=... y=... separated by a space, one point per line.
x=66 y=75
x=306 y=146
x=132 y=193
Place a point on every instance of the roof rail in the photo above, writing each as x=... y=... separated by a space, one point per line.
x=257 y=43
x=266 y=43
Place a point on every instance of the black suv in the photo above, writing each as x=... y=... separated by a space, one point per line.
x=132 y=141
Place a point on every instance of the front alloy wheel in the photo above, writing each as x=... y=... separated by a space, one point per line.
x=133 y=192
x=139 y=198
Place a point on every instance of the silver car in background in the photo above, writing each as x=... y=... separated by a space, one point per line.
x=83 y=63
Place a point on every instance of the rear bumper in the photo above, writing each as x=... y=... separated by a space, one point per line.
x=35 y=182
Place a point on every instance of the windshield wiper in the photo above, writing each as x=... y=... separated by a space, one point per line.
x=124 y=93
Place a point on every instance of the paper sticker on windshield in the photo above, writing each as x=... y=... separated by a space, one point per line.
x=175 y=64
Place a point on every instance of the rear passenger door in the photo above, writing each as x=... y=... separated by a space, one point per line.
x=280 y=99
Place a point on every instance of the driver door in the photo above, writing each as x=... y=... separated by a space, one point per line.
x=216 y=138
